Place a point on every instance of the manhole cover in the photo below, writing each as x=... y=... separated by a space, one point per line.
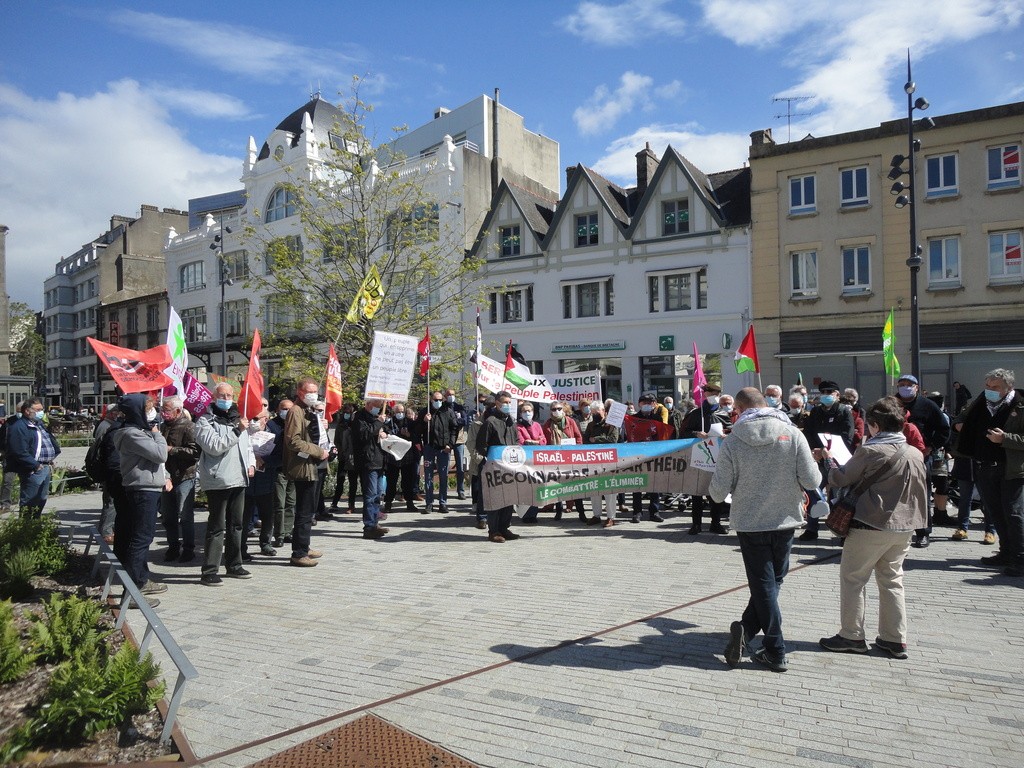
x=368 y=742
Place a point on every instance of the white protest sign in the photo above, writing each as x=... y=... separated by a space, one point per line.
x=616 y=413
x=836 y=447
x=392 y=361
x=705 y=454
x=570 y=387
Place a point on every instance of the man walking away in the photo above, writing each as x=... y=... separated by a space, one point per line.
x=765 y=464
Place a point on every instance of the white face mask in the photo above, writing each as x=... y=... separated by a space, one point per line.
x=712 y=399
x=310 y=398
x=526 y=416
x=151 y=414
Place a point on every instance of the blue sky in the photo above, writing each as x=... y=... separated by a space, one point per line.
x=105 y=106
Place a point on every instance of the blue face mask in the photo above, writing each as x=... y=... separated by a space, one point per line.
x=828 y=400
x=375 y=411
x=992 y=396
x=282 y=414
x=399 y=416
x=773 y=402
x=347 y=416
x=506 y=408
x=224 y=405
x=435 y=404
x=906 y=392
x=38 y=415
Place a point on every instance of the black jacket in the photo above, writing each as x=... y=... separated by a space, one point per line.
x=366 y=441
x=837 y=419
x=929 y=419
x=443 y=428
x=498 y=429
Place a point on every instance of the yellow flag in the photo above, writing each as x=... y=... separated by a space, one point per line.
x=368 y=298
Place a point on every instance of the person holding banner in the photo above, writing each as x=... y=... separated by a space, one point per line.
x=600 y=431
x=561 y=429
x=366 y=436
x=530 y=433
x=650 y=411
x=499 y=428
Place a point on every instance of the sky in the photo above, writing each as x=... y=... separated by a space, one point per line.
x=105 y=106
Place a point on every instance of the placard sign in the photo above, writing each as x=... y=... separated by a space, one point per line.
x=392 y=361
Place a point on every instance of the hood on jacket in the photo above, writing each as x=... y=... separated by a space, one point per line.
x=762 y=427
x=133 y=407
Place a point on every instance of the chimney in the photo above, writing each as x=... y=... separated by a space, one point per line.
x=760 y=138
x=569 y=171
x=646 y=165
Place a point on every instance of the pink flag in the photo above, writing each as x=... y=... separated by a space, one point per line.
x=699 y=380
x=196 y=397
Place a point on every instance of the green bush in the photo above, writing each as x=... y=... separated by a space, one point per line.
x=38 y=536
x=69 y=629
x=14 y=658
x=18 y=570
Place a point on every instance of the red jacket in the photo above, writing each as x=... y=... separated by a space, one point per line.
x=533 y=431
x=569 y=427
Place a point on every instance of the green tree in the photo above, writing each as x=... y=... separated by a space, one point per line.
x=29 y=358
x=360 y=207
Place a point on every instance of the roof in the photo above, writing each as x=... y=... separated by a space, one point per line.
x=732 y=190
x=323 y=114
x=537 y=211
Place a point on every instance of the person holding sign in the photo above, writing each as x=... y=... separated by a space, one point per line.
x=560 y=429
x=499 y=428
x=600 y=431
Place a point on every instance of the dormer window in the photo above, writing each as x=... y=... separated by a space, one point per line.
x=281 y=205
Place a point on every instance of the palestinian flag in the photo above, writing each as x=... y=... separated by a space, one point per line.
x=746 y=355
x=515 y=371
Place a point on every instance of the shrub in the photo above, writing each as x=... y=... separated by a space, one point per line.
x=14 y=658
x=38 y=536
x=18 y=570
x=69 y=630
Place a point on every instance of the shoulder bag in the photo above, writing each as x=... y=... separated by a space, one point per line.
x=839 y=519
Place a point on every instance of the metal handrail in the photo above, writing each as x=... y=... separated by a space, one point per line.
x=154 y=626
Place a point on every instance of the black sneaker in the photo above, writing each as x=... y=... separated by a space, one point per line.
x=211 y=580
x=716 y=529
x=896 y=650
x=187 y=556
x=266 y=549
x=775 y=665
x=246 y=557
x=921 y=542
x=840 y=644
x=656 y=518
x=173 y=553
x=808 y=536
x=238 y=573
x=635 y=519
x=737 y=642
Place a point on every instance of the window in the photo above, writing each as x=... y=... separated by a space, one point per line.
x=509 y=237
x=421 y=224
x=805 y=273
x=853 y=185
x=677 y=291
x=280 y=318
x=801 y=194
x=236 y=317
x=1004 y=255
x=586 y=230
x=191 y=277
x=941 y=176
x=153 y=316
x=675 y=217
x=1004 y=166
x=512 y=306
x=132 y=319
x=856 y=269
x=944 y=261
x=237 y=263
x=281 y=205
x=338 y=242
x=194 y=322
x=284 y=249
x=592 y=298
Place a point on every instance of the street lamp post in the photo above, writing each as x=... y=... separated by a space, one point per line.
x=224 y=275
x=906 y=193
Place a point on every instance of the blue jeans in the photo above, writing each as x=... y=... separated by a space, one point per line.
x=436 y=459
x=460 y=472
x=1004 y=500
x=35 y=490
x=371 y=480
x=177 y=512
x=134 y=529
x=766 y=561
x=963 y=520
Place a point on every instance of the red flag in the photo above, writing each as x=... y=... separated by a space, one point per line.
x=640 y=430
x=332 y=398
x=424 y=352
x=252 y=387
x=746 y=355
x=135 y=371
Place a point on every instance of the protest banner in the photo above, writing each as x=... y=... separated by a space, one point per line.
x=134 y=371
x=392 y=361
x=570 y=387
x=545 y=474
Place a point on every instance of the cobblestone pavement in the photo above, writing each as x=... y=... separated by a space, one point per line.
x=582 y=646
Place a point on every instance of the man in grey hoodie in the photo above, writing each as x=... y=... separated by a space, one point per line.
x=765 y=464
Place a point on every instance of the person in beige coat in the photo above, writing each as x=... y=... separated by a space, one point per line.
x=887 y=513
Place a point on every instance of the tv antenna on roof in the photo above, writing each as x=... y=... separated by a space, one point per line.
x=790 y=114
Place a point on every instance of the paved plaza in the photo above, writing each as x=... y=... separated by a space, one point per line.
x=580 y=646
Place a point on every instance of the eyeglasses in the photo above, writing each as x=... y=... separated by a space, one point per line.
x=556 y=410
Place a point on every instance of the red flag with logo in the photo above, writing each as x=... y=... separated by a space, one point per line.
x=640 y=430
x=135 y=371
x=424 y=352
x=333 y=397
x=252 y=387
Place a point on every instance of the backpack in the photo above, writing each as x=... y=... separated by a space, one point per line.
x=96 y=461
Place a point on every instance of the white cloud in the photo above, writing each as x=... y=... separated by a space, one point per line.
x=200 y=103
x=605 y=106
x=709 y=152
x=72 y=161
x=236 y=49
x=624 y=24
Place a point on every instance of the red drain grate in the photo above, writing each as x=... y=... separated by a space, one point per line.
x=368 y=742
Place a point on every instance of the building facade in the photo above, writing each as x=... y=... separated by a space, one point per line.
x=623 y=281
x=830 y=250
x=125 y=261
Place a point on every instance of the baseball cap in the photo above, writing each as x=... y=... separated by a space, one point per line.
x=908 y=377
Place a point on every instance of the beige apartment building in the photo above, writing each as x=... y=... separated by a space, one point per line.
x=829 y=252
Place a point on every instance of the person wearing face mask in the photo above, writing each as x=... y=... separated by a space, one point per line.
x=177 y=506
x=302 y=455
x=990 y=431
x=31 y=452
x=367 y=433
x=143 y=452
x=529 y=432
x=583 y=415
x=651 y=410
x=601 y=432
x=499 y=428
x=442 y=431
x=462 y=419
x=279 y=527
x=699 y=424
x=226 y=465
x=829 y=416
x=935 y=429
x=675 y=416
x=401 y=472
x=561 y=429
x=346 y=459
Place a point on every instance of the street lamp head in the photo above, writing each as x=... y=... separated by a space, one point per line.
x=898 y=187
x=229 y=230
x=921 y=103
x=902 y=201
x=897 y=161
x=910 y=87
x=927 y=122
x=896 y=172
